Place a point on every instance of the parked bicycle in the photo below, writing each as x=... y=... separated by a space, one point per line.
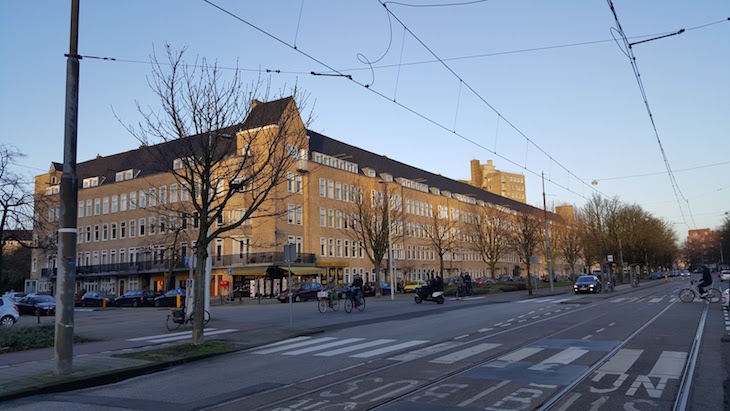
x=688 y=294
x=327 y=300
x=177 y=317
x=351 y=301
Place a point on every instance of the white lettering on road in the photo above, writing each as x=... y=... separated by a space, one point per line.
x=404 y=385
x=669 y=366
x=483 y=393
x=562 y=358
x=521 y=399
x=465 y=353
x=629 y=406
x=439 y=392
x=618 y=366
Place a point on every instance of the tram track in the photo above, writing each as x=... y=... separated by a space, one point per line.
x=548 y=404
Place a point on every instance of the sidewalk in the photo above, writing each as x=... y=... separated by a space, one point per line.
x=31 y=372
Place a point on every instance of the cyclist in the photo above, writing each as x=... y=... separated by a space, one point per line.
x=357 y=289
x=706 y=281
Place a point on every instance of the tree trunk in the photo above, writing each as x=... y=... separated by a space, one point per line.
x=199 y=299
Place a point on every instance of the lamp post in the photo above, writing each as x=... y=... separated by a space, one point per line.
x=390 y=239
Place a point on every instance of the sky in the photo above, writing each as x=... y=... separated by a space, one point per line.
x=537 y=87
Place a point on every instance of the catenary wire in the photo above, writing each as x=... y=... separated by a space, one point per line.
x=632 y=59
x=413 y=111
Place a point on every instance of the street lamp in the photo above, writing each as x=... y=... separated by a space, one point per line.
x=390 y=240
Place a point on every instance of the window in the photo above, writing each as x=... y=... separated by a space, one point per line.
x=331 y=218
x=339 y=247
x=173 y=193
x=322 y=187
x=115 y=203
x=338 y=191
x=339 y=219
x=345 y=193
x=142 y=199
x=114 y=231
x=323 y=217
x=290 y=213
x=133 y=200
x=152 y=225
x=184 y=194
x=96 y=232
x=290 y=182
x=81 y=208
x=331 y=248
x=299 y=215
x=97 y=206
x=163 y=195
x=124 y=175
x=322 y=246
x=132 y=228
x=105 y=206
x=141 y=227
x=104 y=232
x=330 y=189
x=123 y=230
x=196 y=219
x=91 y=182
x=298 y=184
x=88 y=208
x=152 y=198
x=347 y=248
x=163 y=222
x=123 y=202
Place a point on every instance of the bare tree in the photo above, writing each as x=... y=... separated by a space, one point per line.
x=490 y=232
x=440 y=234
x=568 y=244
x=370 y=214
x=16 y=201
x=228 y=151
x=526 y=239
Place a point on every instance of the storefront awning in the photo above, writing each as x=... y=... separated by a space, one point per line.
x=258 y=271
x=302 y=270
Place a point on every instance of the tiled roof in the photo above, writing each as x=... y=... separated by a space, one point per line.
x=263 y=114
x=382 y=164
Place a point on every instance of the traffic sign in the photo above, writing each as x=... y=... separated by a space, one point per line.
x=230 y=272
x=610 y=258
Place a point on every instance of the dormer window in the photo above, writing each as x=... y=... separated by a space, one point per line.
x=124 y=175
x=369 y=172
x=91 y=182
x=177 y=164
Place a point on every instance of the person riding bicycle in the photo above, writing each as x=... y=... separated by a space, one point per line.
x=706 y=281
x=357 y=289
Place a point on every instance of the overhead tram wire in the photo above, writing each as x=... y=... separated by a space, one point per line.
x=413 y=111
x=632 y=59
x=662 y=172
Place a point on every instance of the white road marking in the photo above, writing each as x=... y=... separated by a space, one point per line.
x=461 y=336
x=184 y=337
x=483 y=330
x=354 y=347
x=618 y=300
x=465 y=353
x=323 y=346
x=621 y=362
x=153 y=337
x=564 y=357
x=656 y=300
x=587 y=337
x=422 y=352
x=670 y=364
x=293 y=345
x=483 y=393
x=391 y=348
x=600 y=330
x=290 y=340
x=513 y=357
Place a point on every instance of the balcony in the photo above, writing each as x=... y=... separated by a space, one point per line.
x=270 y=258
x=303 y=165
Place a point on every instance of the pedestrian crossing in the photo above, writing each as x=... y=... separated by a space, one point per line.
x=669 y=298
x=543 y=300
x=179 y=336
x=546 y=361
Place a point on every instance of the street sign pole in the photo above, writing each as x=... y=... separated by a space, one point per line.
x=290 y=253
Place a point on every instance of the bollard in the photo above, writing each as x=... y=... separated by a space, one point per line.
x=177 y=301
x=103 y=302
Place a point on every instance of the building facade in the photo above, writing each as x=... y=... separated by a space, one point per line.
x=137 y=229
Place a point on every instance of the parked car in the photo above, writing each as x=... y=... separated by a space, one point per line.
x=413 y=285
x=15 y=296
x=724 y=275
x=369 y=288
x=169 y=299
x=485 y=280
x=587 y=283
x=9 y=314
x=36 y=304
x=135 y=298
x=307 y=291
x=685 y=273
x=656 y=275
x=344 y=291
x=505 y=278
x=96 y=299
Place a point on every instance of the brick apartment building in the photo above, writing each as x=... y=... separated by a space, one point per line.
x=136 y=228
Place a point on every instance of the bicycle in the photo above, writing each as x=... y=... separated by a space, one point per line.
x=327 y=300
x=688 y=294
x=177 y=317
x=350 y=302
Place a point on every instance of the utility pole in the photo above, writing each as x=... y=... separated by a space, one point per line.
x=68 y=200
x=547 y=235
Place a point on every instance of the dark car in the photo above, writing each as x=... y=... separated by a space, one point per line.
x=96 y=299
x=587 y=283
x=135 y=298
x=35 y=304
x=344 y=291
x=307 y=291
x=369 y=288
x=169 y=299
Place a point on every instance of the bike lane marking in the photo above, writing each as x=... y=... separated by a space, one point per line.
x=323 y=346
x=391 y=348
x=294 y=345
x=183 y=337
x=465 y=353
x=355 y=347
x=205 y=330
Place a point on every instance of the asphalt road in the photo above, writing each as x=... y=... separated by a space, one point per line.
x=628 y=351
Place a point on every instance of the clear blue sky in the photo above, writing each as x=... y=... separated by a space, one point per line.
x=580 y=103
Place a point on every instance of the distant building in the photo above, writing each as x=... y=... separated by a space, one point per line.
x=13 y=239
x=699 y=244
x=487 y=177
x=567 y=212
